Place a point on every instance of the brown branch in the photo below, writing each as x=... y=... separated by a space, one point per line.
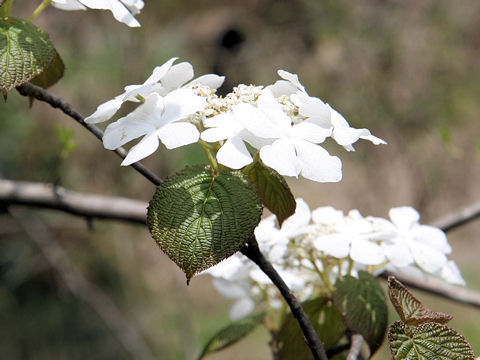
x=41 y=94
x=355 y=347
x=81 y=204
x=124 y=209
x=127 y=333
x=252 y=251
x=458 y=217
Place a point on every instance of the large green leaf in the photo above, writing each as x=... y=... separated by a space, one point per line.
x=326 y=320
x=231 y=334
x=428 y=341
x=25 y=52
x=272 y=189
x=409 y=308
x=362 y=304
x=199 y=217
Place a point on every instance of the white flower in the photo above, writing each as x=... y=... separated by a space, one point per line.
x=425 y=245
x=351 y=236
x=233 y=152
x=233 y=282
x=315 y=109
x=164 y=78
x=158 y=118
x=273 y=241
x=293 y=150
x=122 y=10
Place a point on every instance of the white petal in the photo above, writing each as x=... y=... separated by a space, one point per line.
x=292 y=78
x=282 y=87
x=234 y=154
x=276 y=254
x=337 y=119
x=178 y=75
x=293 y=281
x=226 y=124
x=273 y=110
x=178 y=134
x=120 y=11
x=336 y=245
x=431 y=236
x=160 y=71
x=281 y=157
x=139 y=122
x=259 y=276
x=231 y=289
x=316 y=163
x=106 y=110
x=366 y=252
x=429 y=259
x=124 y=130
x=310 y=132
x=295 y=224
x=215 y=134
x=228 y=269
x=313 y=107
x=451 y=273
x=327 y=215
x=134 y=5
x=241 y=308
x=256 y=121
x=366 y=135
x=211 y=80
x=180 y=104
x=145 y=147
x=68 y=5
x=345 y=135
x=267 y=229
x=404 y=217
x=398 y=254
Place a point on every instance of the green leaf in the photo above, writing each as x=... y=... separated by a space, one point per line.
x=427 y=341
x=51 y=74
x=409 y=308
x=199 y=217
x=362 y=304
x=25 y=52
x=326 y=320
x=272 y=189
x=231 y=334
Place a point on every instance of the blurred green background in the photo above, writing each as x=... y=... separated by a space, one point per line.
x=407 y=70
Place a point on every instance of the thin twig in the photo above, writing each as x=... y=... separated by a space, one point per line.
x=41 y=94
x=130 y=210
x=458 y=217
x=252 y=251
x=81 y=204
x=128 y=335
x=356 y=347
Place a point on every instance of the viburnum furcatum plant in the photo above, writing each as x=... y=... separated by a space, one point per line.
x=207 y=218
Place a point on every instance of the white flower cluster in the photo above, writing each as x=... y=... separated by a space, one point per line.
x=281 y=121
x=313 y=248
x=122 y=10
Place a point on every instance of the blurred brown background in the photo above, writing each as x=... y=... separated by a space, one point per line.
x=407 y=70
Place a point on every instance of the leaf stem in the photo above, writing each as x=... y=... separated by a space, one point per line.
x=323 y=274
x=39 y=9
x=6 y=8
x=252 y=251
x=207 y=149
